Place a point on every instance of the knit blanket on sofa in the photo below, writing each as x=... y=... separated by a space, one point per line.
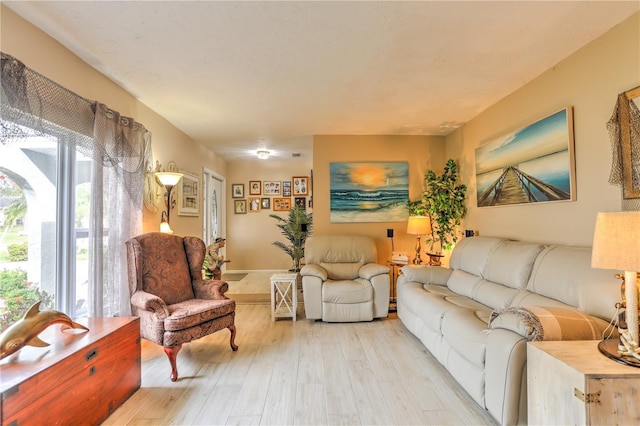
x=548 y=323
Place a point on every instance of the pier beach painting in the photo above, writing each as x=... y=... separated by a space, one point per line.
x=531 y=165
x=369 y=192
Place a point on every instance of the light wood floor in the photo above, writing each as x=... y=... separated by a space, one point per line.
x=299 y=373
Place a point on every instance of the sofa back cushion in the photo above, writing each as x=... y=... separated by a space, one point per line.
x=472 y=254
x=165 y=269
x=341 y=255
x=510 y=263
x=564 y=273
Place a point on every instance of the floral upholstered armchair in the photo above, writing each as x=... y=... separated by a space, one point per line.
x=174 y=303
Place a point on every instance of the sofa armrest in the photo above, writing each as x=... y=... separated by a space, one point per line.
x=548 y=323
x=210 y=289
x=150 y=303
x=370 y=270
x=314 y=270
x=426 y=274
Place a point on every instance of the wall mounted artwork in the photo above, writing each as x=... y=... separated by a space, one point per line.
x=369 y=192
x=531 y=165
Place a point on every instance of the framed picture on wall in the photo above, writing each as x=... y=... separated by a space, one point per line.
x=286 y=188
x=255 y=187
x=271 y=187
x=237 y=190
x=254 y=204
x=300 y=185
x=240 y=206
x=301 y=202
x=266 y=203
x=281 y=204
x=534 y=164
x=189 y=194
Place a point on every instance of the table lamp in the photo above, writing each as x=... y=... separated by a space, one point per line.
x=616 y=245
x=418 y=225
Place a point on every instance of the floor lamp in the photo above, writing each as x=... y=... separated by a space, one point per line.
x=616 y=245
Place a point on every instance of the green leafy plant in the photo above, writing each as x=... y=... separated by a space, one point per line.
x=17 y=295
x=443 y=201
x=17 y=252
x=292 y=229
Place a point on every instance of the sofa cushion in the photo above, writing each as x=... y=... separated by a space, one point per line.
x=193 y=312
x=496 y=296
x=471 y=254
x=426 y=274
x=463 y=283
x=165 y=260
x=510 y=263
x=341 y=271
x=430 y=307
x=356 y=291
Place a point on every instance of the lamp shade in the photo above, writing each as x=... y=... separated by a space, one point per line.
x=169 y=178
x=418 y=225
x=616 y=241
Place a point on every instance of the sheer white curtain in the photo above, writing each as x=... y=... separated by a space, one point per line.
x=120 y=150
x=116 y=207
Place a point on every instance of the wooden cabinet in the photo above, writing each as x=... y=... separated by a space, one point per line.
x=571 y=382
x=81 y=378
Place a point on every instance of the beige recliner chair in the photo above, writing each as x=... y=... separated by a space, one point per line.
x=341 y=281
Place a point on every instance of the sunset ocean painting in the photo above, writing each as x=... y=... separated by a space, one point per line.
x=369 y=192
x=534 y=164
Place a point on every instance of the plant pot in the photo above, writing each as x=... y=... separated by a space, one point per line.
x=435 y=259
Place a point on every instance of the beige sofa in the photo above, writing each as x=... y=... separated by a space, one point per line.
x=477 y=316
x=341 y=281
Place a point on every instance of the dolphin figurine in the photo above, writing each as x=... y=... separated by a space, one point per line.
x=25 y=331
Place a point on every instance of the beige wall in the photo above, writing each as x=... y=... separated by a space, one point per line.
x=250 y=236
x=589 y=81
x=46 y=56
x=421 y=152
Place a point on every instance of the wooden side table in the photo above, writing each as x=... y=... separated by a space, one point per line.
x=571 y=382
x=393 y=301
x=284 y=296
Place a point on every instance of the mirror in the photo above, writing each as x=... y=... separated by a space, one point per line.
x=629 y=126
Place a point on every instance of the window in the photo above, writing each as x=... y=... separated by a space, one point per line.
x=71 y=195
x=45 y=193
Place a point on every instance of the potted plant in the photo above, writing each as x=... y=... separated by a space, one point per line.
x=443 y=201
x=296 y=228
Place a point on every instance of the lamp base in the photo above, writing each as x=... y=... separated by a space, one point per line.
x=609 y=348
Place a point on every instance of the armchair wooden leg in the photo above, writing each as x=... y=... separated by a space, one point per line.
x=172 y=353
x=232 y=328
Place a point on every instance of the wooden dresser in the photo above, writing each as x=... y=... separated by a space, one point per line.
x=571 y=382
x=81 y=378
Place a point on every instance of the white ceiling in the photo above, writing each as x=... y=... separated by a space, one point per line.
x=239 y=76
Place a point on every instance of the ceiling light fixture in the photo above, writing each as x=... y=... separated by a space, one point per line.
x=263 y=155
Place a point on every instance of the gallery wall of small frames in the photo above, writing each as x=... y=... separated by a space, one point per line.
x=273 y=195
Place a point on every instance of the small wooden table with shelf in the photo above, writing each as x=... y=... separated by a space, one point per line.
x=393 y=300
x=571 y=382
x=284 y=296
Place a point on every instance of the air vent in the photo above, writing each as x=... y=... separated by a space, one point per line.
x=296 y=155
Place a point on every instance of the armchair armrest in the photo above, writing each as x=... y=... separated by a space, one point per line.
x=370 y=270
x=548 y=323
x=150 y=302
x=426 y=274
x=314 y=270
x=210 y=289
